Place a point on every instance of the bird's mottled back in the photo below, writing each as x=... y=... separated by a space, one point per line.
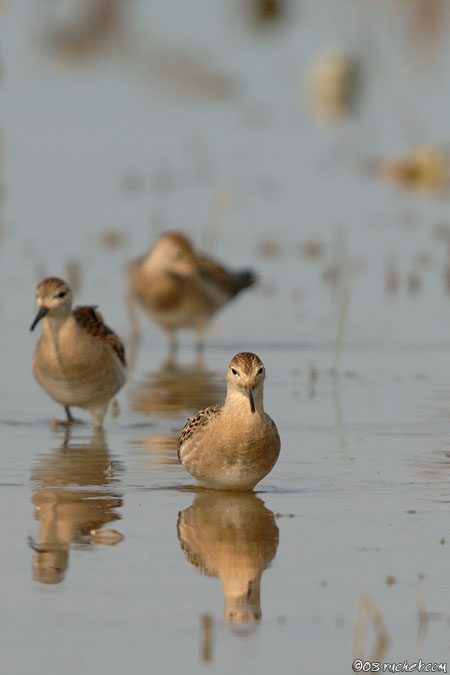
x=200 y=419
x=91 y=321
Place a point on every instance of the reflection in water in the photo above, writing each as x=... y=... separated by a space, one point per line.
x=173 y=389
x=71 y=501
x=234 y=537
x=162 y=448
x=207 y=637
x=433 y=467
x=366 y=614
x=433 y=464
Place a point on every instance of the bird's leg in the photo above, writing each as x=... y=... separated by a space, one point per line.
x=68 y=421
x=67 y=432
x=65 y=423
x=98 y=415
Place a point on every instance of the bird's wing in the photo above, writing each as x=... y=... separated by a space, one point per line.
x=230 y=283
x=91 y=321
x=200 y=419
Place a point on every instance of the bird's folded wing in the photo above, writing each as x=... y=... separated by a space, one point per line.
x=91 y=321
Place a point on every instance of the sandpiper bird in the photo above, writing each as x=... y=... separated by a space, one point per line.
x=78 y=360
x=180 y=288
x=234 y=445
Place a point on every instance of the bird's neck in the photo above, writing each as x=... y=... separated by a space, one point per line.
x=242 y=588
x=153 y=263
x=237 y=401
x=54 y=323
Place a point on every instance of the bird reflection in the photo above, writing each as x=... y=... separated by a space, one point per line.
x=74 y=496
x=174 y=388
x=234 y=537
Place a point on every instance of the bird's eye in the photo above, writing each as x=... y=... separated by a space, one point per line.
x=234 y=371
x=260 y=371
x=62 y=294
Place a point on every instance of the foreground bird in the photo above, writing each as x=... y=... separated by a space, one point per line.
x=234 y=445
x=179 y=288
x=78 y=360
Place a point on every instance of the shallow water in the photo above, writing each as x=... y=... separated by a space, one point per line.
x=342 y=552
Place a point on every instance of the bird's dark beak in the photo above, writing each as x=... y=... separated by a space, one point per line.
x=250 y=398
x=40 y=315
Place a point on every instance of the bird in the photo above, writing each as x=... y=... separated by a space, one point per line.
x=78 y=360
x=232 y=446
x=180 y=288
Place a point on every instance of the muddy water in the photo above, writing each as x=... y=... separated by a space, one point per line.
x=111 y=560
